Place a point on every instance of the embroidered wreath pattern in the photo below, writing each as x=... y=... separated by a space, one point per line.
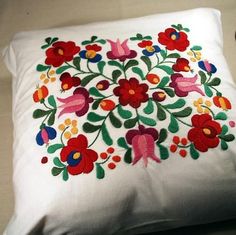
x=139 y=91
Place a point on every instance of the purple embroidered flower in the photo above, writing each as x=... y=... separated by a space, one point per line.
x=45 y=134
x=142 y=141
x=78 y=103
x=206 y=66
x=120 y=51
x=183 y=85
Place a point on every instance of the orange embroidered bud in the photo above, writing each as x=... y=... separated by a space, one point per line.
x=153 y=78
x=107 y=105
x=222 y=102
x=40 y=93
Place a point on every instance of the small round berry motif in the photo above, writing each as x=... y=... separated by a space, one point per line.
x=44 y=160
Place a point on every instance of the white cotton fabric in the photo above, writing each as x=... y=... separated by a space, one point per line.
x=130 y=199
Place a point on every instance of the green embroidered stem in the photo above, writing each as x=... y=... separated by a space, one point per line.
x=184 y=146
x=123 y=68
x=213 y=115
x=62 y=142
x=175 y=117
x=136 y=111
x=47 y=106
x=101 y=163
x=102 y=126
x=48 y=76
x=71 y=65
x=209 y=78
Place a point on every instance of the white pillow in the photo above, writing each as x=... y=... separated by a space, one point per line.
x=122 y=127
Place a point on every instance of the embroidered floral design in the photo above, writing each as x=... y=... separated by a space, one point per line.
x=121 y=102
x=61 y=52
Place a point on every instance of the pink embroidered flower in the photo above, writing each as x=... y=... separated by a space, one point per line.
x=183 y=85
x=120 y=51
x=78 y=103
x=142 y=141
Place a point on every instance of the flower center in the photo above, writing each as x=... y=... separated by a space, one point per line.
x=99 y=86
x=186 y=68
x=131 y=92
x=76 y=155
x=206 y=131
x=90 y=54
x=150 y=48
x=174 y=36
x=60 y=51
x=65 y=86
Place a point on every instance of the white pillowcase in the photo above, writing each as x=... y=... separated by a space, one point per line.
x=128 y=131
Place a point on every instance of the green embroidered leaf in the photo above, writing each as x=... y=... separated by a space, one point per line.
x=45 y=46
x=102 y=41
x=130 y=123
x=176 y=105
x=183 y=113
x=173 y=126
x=41 y=67
x=93 y=91
x=162 y=136
x=224 y=130
x=203 y=76
x=65 y=175
x=122 y=143
x=208 y=91
x=138 y=71
x=116 y=74
x=147 y=38
x=149 y=108
x=90 y=128
x=214 y=82
x=165 y=68
x=96 y=104
x=115 y=63
x=227 y=138
x=169 y=92
x=38 y=113
x=128 y=157
x=86 y=42
x=147 y=61
x=51 y=101
x=164 y=153
x=48 y=40
x=106 y=136
x=53 y=40
x=53 y=148
x=164 y=81
x=161 y=115
x=76 y=62
x=100 y=173
x=51 y=118
x=101 y=65
x=114 y=120
x=193 y=152
x=196 y=48
x=130 y=64
x=126 y=114
x=224 y=145
x=88 y=79
x=148 y=121
x=62 y=69
x=163 y=53
x=220 y=116
x=93 y=117
x=173 y=55
x=56 y=171
x=58 y=162
x=93 y=38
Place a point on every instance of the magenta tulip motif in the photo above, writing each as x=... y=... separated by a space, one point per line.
x=120 y=50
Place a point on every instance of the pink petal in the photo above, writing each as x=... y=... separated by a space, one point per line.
x=190 y=80
x=125 y=47
x=207 y=65
x=44 y=135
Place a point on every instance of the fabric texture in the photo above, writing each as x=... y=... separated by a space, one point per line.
x=146 y=99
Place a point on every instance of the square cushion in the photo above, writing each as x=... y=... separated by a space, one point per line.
x=122 y=127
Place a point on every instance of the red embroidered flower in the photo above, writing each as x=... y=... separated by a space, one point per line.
x=67 y=82
x=40 y=94
x=61 y=52
x=222 y=102
x=204 y=132
x=131 y=92
x=79 y=158
x=173 y=39
x=181 y=64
